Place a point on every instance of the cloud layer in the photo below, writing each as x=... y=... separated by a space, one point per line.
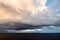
x=26 y=11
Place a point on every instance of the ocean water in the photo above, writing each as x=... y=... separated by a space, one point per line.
x=44 y=29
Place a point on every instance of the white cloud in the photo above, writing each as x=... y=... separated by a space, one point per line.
x=33 y=15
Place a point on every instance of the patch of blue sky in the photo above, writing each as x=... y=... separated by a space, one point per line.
x=56 y=7
x=49 y=2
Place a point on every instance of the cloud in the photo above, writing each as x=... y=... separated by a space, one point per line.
x=26 y=12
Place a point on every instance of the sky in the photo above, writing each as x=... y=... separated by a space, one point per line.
x=31 y=11
x=56 y=7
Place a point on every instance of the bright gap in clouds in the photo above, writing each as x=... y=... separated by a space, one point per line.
x=42 y=5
